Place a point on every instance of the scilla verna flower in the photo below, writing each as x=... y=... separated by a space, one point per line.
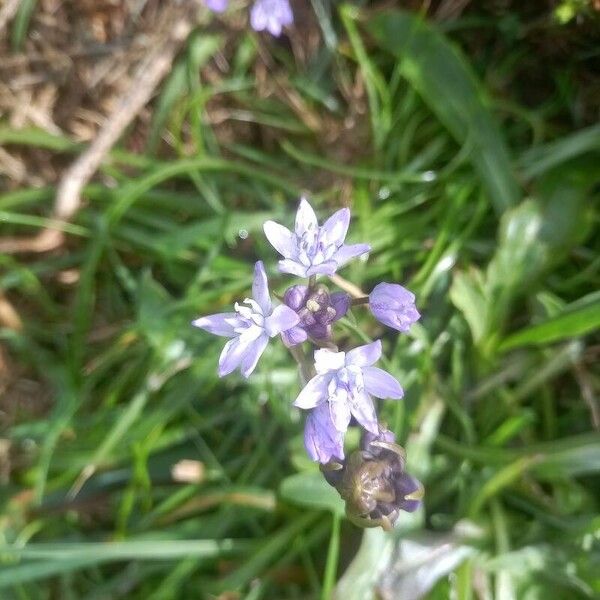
x=346 y=381
x=249 y=327
x=394 y=306
x=310 y=249
x=272 y=15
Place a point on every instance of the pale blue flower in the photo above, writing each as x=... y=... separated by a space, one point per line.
x=249 y=327
x=321 y=439
x=217 y=5
x=346 y=381
x=310 y=249
x=272 y=15
x=394 y=306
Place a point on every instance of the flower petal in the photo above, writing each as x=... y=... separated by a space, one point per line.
x=305 y=218
x=260 y=288
x=220 y=324
x=280 y=237
x=259 y=19
x=294 y=336
x=313 y=393
x=336 y=227
x=292 y=267
x=252 y=353
x=295 y=296
x=281 y=319
x=364 y=356
x=234 y=350
x=327 y=361
x=217 y=5
x=363 y=411
x=341 y=303
x=347 y=253
x=321 y=439
x=327 y=267
x=340 y=414
x=381 y=384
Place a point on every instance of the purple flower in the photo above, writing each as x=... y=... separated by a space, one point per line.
x=317 y=309
x=394 y=306
x=311 y=249
x=272 y=15
x=249 y=327
x=321 y=439
x=217 y=5
x=345 y=381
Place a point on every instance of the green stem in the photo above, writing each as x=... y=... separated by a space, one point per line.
x=332 y=559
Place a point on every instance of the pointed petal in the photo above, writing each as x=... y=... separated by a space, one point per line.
x=381 y=384
x=220 y=324
x=281 y=238
x=282 y=319
x=364 y=356
x=234 y=350
x=292 y=267
x=364 y=412
x=340 y=414
x=313 y=393
x=336 y=227
x=347 y=253
x=327 y=267
x=231 y=356
x=305 y=217
x=260 y=288
x=341 y=303
x=327 y=361
x=252 y=353
x=294 y=336
x=321 y=439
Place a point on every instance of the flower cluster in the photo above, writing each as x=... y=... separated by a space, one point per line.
x=269 y=15
x=339 y=385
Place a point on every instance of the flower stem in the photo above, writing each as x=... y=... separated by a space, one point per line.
x=306 y=369
x=357 y=301
x=347 y=286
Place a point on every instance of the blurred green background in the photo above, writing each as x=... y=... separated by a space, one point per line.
x=464 y=136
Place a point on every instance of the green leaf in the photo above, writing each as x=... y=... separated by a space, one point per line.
x=441 y=75
x=311 y=490
x=571 y=323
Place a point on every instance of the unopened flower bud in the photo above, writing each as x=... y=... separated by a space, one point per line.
x=394 y=306
x=373 y=483
x=317 y=310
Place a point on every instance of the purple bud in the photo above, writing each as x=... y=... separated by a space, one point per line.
x=317 y=309
x=394 y=306
x=295 y=296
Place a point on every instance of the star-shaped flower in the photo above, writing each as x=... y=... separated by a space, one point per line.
x=312 y=249
x=249 y=327
x=346 y=382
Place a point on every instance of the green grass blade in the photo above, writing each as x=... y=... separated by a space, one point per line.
x=442 y=76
